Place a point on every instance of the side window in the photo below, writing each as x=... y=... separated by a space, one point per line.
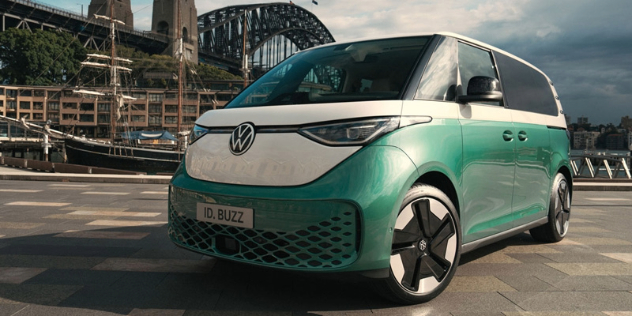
x=439 y=79
x=525 y=88
x=475 y=62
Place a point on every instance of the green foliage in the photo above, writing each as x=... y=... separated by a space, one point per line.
x=39 y=57
x=207 y=72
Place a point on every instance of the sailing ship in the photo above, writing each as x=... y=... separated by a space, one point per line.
x=127 y=155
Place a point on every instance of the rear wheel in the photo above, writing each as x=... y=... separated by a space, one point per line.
x=559 y=213
x=426 y=247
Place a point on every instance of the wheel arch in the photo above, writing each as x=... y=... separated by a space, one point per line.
x=442 y=182
x=567 y=173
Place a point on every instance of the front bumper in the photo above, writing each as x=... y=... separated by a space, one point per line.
x=340 y=222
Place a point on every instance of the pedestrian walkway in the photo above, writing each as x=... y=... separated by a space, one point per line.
x=10 y=173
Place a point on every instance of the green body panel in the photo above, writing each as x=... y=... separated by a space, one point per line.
x=533 y=173
x=374 y=181
x=560 y=151
x=433 y=147
x=488 y=177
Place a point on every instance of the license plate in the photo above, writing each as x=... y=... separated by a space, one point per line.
x=226 y=215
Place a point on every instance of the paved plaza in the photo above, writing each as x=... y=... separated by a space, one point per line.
x=71 y=248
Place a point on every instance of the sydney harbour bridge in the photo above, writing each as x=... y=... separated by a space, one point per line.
x=256 y=36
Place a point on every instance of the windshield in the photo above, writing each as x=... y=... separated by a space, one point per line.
x=371 y=70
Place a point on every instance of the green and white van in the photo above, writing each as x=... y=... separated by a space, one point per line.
x=388 y=157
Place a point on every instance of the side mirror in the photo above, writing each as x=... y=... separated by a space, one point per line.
x=481 y=89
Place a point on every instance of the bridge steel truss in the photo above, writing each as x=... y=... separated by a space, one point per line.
x=273 y=31
x=92 y=33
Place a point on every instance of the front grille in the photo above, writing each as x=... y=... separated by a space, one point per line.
x=331 y=243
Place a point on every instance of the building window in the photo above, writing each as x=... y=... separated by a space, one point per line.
x=68 y=93
x=53 y=117
x=205 y=108
x=1 y=103
x=25 y=105
x=12 y=93
x=103 y=118
x=53 y=106
x=1 y=91
x=139 y=95
x=171 y=120
x=26 y=93
x=87 y=106
x=138 y=107
x=155 y=97
x=138 y=118
x=171 y=109
x=68 y=105
x=11 y=105
x=68 y=117
x=224 y=97
x=219 y=86
x=39 y=93
x=103 y=107
x=155 y=108
x=86 y=117
x=38 y=116
x=155 y=120
x=188 y=119
x=53 y=95
x=192 y=96
x=171 y=96
x=189 y=109
x=38 y=105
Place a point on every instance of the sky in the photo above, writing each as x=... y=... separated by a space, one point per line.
x=584 y=46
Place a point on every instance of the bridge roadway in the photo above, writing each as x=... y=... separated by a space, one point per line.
x=77 y=248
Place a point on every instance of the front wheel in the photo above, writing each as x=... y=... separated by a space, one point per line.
x=559 y=213
x=426 y=247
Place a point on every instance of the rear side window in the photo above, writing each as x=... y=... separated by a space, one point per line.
x=525 y=88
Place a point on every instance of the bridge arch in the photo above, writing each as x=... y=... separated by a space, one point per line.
x=273 y=32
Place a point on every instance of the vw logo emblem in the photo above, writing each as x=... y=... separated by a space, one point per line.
x=241 y=139
x=422 y=245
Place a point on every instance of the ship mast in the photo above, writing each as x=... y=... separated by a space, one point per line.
x=180 y=59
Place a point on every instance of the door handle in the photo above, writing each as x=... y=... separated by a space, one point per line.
x=508 y=136
x=522 y=136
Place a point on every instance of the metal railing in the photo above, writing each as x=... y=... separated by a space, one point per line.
x=601 y=166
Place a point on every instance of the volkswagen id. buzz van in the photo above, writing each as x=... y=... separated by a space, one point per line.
x=387 y=157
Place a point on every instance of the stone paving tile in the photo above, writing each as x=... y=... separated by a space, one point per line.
x=19 y=225
x=16 y=275
x=579 y=221
x=587 y=229
x=571 y=301
x=11 y=309
x=49 y=261
x=590 y=283
x=75 y=250
x=155 y=265
x=497 y=269
x=534 y=248
x=593 y=268
x=495 y=257
x=472 y=302
x=579 y=258
x=529 y=257
x=624 y=278
x=156 y=312
x=619 y=313
x=76 y=276
x=556 y=313
x=95 y=209
x=37 y=310
x=477 y=284
x=247 y=313
x=121 y=223
x=525 y=283
x=97 y=234
x=625 y=257
x=601 y=241
x=44 y=294
x=77 y=217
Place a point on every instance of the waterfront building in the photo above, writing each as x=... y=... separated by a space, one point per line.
x=582 y=120
x=585 y=140
x=153 y=109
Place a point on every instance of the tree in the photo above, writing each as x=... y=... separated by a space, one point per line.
x=39 y=57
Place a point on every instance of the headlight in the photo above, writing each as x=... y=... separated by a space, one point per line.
x=196 y=133
x=351 y=133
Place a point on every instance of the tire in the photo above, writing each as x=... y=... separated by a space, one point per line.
x=559 y=213
x=426 y=247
